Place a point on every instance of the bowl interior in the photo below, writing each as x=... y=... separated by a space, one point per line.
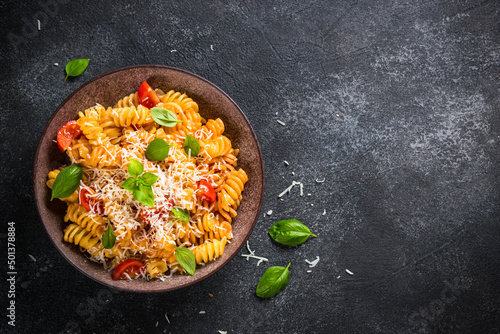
x=107 y=89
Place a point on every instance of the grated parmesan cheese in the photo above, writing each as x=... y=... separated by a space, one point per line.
x=253 y=256
x=32 y=257
x=222 y=332
x=313 y=263
x=324 y=212
x=286 y=162
x=39 y=24
x=166 y=317
x=202 y=312
x=349 y=272
x=281 y=123
x=270 y=212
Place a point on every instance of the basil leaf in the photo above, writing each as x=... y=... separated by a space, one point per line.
x=129 y=183
x=290 y=232
x=145 y=195
x=164 y=117
x=148 y=178
x=157 y=150
x=190 y=143
x=67 y=181
x=182 y=214
x=109 y=238
x=274 y=280
x=135 y=167
x=76 y=67
x=186 y=259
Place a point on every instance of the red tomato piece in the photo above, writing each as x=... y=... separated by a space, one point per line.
x=67 y=133
x=129 y=268
x=206 y=190
x=147 y=96
x=157 y=213
x=89 y=203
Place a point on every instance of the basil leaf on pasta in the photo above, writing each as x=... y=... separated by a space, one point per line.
x=274 y=280
x=145 y=195
x=191 y=146
x=76 y=67
x=109 y=238
x=182 y=214
x=186 y=259
x=157 y=150
x=135 y=167
x=149 y=178
x=67 y=181
x=290 y=232
x=129 y=184
x=164 y=117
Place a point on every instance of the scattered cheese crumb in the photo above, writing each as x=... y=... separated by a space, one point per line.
x=210 y=295
x=276 y=113
x=56 y=64
x=32 y=257
x=301 y=189
x=39 y=27
x=202 y=312
x=349 y=272
x=308 y=194
x=166 y=317
x=285 y=162
x=312 y=204
x=157 y=324
x=293 y=173
x=211 y=47
x=173 y=50
x=253 y=256
x=320 y=181
x=338 y=276
x=287 y=189
x=222 y=332
x=309 y=271
x=324 y=212
x=281 y=122
x=337 y=115
x=313 y=263
x=270 y=212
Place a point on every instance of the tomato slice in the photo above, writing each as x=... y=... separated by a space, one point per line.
x=129 y=268
x=157 y=213
x=206 y=190
x=89 y=203
x=147 y=96
x=66 y=133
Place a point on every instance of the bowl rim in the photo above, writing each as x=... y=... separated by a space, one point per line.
x=38 y=202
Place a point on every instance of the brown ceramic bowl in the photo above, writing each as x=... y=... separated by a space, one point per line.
x=107 y=89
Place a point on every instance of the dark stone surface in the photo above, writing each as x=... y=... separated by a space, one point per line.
x=394 y=103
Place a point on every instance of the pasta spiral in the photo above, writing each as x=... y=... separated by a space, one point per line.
x=74 y=234
x=209 y=251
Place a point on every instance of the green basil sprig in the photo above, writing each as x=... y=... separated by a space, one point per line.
x=140 y=186
x=274 y=280
x=164 y=117
x=186 y=259
x=290 y=232
x=191 y=144
x=67 y=181
x=182 y=214
x=109 y=238
x=157 y=150
x=76 y=67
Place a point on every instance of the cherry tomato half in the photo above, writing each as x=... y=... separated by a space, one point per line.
x=157 y=213
x=147 y=96
x=206 y=190
x=132 y=268
x=66 y=133
x=89 y=203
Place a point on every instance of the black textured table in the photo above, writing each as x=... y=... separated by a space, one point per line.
x=394 y=104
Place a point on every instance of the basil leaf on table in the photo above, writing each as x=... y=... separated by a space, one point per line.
x=182 y=214
x=274 y=280
x=109 y=238
x=190 y=143
x=157 y=150
x=145 y=195
x=164 y=117
x=135 y=167
x=76 y=67
x=186 y=259
x=67 y=181
x=148 y=178
x=290 y=232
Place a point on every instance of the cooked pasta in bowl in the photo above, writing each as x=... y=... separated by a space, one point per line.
x=148 y=178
